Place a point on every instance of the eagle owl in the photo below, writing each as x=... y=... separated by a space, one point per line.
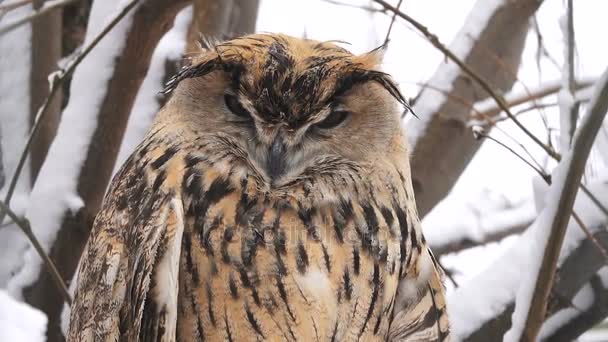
x=271 y=200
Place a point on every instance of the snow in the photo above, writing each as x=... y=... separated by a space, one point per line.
x=20 y=322
x=170 y=47
x=537 y=242
x=565 y=98
x=478 y=228
x=487 y=294
x=430 y=100
x=15 y=60
x=601 y=142
x=55 y=191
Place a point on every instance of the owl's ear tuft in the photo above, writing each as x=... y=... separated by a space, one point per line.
x=373 y=58
x=190 y=71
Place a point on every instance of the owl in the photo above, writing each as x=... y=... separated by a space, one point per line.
x=271 y=200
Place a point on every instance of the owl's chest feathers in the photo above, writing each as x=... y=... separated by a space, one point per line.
x=317 y=268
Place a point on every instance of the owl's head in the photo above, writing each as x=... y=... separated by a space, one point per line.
x=291 y=105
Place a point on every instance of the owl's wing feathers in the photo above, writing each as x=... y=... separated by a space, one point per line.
x=425 y=319
x=128 y=277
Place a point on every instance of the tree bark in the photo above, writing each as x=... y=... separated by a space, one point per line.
x=221 y=19
x=46 y=52
x=446 y=145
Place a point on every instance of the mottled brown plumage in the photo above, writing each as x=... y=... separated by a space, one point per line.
x=271 y=200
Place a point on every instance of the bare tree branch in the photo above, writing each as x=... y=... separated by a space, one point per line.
x=390 y=26
x=49 y=6
x=488 y=109
x=365 y=8
x=4 y=8
x=472 y=74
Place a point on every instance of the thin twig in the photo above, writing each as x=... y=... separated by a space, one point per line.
x=390 y=27
x=56 y=83
x=540 y=172
x=459 y=99
x=544 y=90
x=594 y=199
x=48 y=6
x=27 y=230
x=590 y=236
x=432 y=38
x=365 y=8
x=12 y=5
x=547 y=178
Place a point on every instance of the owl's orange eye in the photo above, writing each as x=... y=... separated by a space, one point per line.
x=333 y=120
x=236 y=107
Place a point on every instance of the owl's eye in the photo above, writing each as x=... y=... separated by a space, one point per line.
x=236 y=107
x=334 y=119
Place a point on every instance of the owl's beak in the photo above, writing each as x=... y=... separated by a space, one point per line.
x=276 y=158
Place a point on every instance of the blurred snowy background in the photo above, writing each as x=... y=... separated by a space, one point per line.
x=476 y=229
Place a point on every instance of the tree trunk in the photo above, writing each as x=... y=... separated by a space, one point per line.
x=221 y=20
x=445 y=145
x=46 y=52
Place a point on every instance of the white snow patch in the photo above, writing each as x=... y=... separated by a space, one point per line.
x=20 y=322
x=55 y=189
x=15 y=61
x=477 y=228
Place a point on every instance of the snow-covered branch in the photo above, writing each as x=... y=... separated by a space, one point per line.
x=481 y=309
x=551 y=225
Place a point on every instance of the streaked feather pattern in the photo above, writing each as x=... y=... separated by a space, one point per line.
x=197 y=241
